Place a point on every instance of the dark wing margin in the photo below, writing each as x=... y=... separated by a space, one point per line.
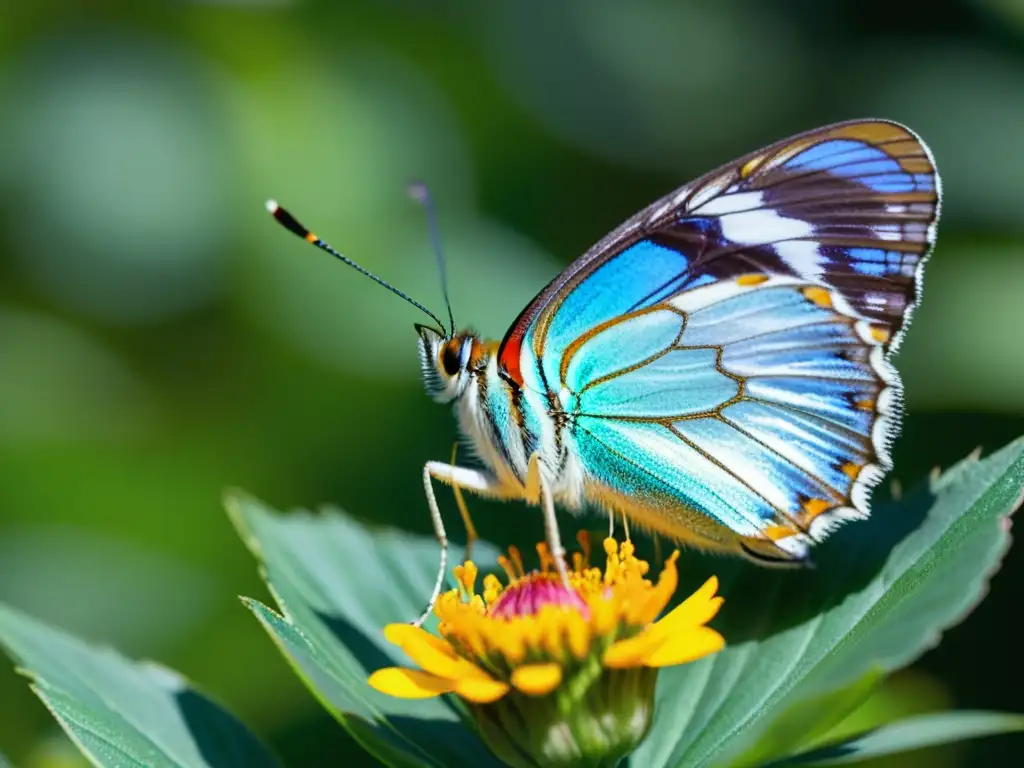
x=851 y=206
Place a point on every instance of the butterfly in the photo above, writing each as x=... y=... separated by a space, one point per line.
x=717 y=369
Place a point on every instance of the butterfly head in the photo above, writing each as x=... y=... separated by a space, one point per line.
x=445 y=361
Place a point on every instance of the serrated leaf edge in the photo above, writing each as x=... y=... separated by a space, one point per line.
x=787 y=685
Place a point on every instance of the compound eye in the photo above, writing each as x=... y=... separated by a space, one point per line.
x=450 y=358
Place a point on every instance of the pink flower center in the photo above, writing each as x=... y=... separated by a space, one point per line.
x=534 y=591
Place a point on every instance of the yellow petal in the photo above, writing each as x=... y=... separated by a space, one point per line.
x=699 y=608
x=577 y=635
x=602 y=616
x=684 y=620
x=684 y=647
x=508 y=642
x=474 y=641
x=481 y=690
x=433 y=654
x=552 y=628
x=409 y=683
x=631 y=652
x=400 y=633
x=648 y=610
x=529 y=629
x=537 y=679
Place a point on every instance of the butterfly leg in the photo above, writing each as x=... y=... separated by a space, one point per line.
x=467 y=519
x=458 y=477
x=537 y=490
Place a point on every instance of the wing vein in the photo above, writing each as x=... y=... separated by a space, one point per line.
x=832 y=424
x=711 y=459
x=838 y=492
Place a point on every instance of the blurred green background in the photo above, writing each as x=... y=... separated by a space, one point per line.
x=161 y=338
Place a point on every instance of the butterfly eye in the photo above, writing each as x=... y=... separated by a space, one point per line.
x=450 y=358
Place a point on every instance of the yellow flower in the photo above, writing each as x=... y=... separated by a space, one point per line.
x=563 y=674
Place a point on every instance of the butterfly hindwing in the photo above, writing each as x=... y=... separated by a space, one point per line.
x=761 y=412
x=725 y=351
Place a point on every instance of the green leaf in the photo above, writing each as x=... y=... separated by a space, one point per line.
x=384 y=743
x=908 y=735
x=881 y=594
x=338 y=585
x=121 y=713
x=4 y=762
x=808 y=720
x=907 y=693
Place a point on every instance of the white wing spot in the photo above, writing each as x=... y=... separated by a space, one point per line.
x=763 y=226
x=734 y=203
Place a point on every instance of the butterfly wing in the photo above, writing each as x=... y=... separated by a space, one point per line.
x=723 y=356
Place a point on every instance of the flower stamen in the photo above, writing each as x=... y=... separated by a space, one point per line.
x=537 y=659
x=465 y=575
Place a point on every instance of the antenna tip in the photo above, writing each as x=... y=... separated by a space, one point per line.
x=288 y=221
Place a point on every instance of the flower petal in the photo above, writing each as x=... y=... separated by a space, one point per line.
x=683 y=621
x=603 y=615
x=481 y=690
x=409 y=683
x=684 y=647
x=674 y=628
x=398 y=634
x=433 y=654
x=633 y=651
x=507 y=641
x=537 y=679
x=699 y=608
x=648 y=610
x=577 y=634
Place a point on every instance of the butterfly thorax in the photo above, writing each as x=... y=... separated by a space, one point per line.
x=718 y=369
x=503 y=422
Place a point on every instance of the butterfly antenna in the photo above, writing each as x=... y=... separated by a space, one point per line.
x=292 y=224
x=418 y=191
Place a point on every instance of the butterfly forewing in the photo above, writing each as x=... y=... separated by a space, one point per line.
x=723 y=355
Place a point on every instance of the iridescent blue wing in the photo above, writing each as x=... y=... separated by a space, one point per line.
x=723 y=357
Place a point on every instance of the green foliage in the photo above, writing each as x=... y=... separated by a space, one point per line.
x=121 y=714
x=805 y=649
x=880 y=595
x=338 y=584
x=908 y=735
x=160 y=337
x=882 y=592
x=809 y=719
